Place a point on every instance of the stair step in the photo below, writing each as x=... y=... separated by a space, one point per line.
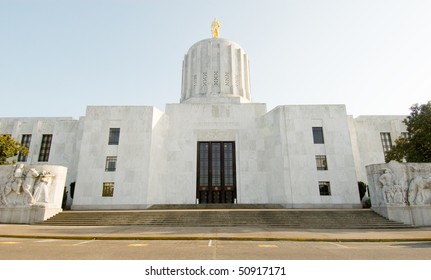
x=244 y=216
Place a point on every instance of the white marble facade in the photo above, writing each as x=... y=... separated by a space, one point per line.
x=155 y=158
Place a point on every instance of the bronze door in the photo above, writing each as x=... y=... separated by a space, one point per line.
x=216 y=182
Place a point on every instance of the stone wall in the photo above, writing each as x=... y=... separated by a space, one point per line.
x=130 y=177
x=365 y=132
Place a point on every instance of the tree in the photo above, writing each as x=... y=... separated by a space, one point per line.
x=9 y=148
x=416 y=147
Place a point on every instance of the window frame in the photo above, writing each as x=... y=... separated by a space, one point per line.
x=318 y=137
x=114 y=136
x=108 y=189
x=322 y=185
x=25 y=142
x=45 y=148
x=386 y=140
x=111 y=164
x=321 y=162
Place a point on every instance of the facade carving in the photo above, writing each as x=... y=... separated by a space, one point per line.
x=401 y=191
x=420 y=190
x=401 y=184
x=25 y=186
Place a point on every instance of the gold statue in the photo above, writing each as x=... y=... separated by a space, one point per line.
x=215 y=26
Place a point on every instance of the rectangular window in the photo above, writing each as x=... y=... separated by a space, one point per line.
x=386 y=142
x=114 y=136
x=111 y=163
x=45 y=147
x=321 y=162
x=405 y=135
x=25 y=142
x=318 y=135
x=108 y=189
x=324 y=188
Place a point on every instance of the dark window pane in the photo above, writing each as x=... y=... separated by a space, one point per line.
x=318 y=135
x=324 y=188
x=111 y=163
x=45 y=147
x=114 y=136
x=25 y=142
x=385 y=137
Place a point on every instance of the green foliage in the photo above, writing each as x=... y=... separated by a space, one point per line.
x=398 y=152
x=417 y=146
x=9 y=148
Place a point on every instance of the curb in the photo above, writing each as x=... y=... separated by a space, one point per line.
x=234 y=238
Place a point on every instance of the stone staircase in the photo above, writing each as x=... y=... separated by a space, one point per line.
x=229 y=216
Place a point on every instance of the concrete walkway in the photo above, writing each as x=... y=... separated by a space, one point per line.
x=252 y=233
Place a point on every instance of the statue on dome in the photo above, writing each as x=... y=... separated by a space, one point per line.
x=215 y=26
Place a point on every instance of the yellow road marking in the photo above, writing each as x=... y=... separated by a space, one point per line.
x=138 y=245
x=10 y=242
x=267 y=246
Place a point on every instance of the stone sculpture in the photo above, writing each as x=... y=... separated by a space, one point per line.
x=30 y=193
x=215 y=26
x=17 y=178
x=25 y=186
x=401 y=191
x=41 y=191
x=402 y=184
x=29 y=181
x=393 y=191
x=420 y=191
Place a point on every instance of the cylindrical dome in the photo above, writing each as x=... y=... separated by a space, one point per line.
x=215 y=70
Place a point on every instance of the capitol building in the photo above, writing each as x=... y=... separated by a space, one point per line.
x=215 y=146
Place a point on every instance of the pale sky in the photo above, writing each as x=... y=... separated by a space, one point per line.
x=57 y=57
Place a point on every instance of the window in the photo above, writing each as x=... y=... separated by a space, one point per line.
x=324 y=188
x=318 y=135
x=386 y=142
x=45 y=147
x=25 y=142
x=111 y=163
x=321 y=163
x=405 y=135
x=108 y=189
x=114 y=136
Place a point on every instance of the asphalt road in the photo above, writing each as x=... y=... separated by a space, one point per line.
x=58 y=249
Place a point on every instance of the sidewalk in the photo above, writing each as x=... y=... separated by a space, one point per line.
x=251 y=233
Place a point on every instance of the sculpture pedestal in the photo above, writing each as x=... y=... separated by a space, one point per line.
x=26 y=214
x=418 y=215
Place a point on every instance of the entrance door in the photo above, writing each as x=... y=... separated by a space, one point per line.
x=216 y=176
